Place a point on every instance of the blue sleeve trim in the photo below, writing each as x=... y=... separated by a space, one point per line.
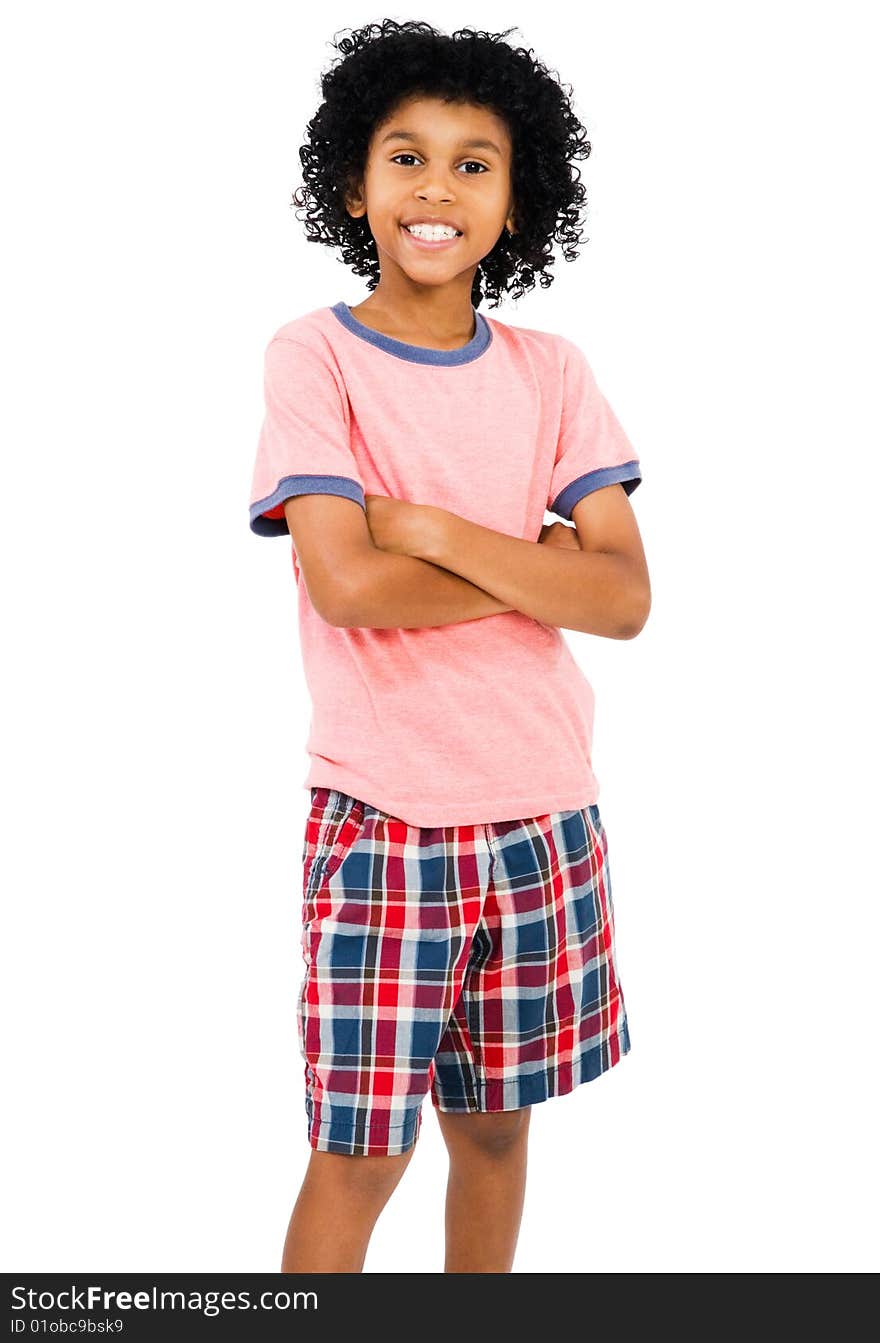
x=289 y=486
x=628 y=474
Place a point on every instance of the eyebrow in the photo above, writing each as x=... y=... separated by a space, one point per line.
x=463 y=144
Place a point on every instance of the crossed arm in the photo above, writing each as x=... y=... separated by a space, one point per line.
x=429 y=566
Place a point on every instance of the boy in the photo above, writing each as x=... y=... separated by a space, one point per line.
x=458 y=930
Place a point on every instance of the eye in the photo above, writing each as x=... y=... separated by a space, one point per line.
x=475 y=162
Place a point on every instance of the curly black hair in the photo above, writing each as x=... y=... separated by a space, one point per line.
x=383 y=63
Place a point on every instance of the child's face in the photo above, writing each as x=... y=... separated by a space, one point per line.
x=433 y=172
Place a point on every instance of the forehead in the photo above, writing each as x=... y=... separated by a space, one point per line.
x=446 y=124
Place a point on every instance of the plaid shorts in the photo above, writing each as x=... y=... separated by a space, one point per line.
x=474 y=961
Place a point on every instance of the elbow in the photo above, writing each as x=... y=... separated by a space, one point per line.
x=342 y=617
x=346 y=609
x=334 y=603
x=351 y=604
x=637 y=617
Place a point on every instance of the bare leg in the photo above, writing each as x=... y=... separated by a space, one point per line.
x=338 y=1206
x=486 y=1189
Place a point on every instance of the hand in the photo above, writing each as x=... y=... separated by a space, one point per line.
x=561 y=535
x=395 y=524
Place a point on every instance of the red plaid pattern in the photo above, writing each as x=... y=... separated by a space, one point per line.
x=476 y=962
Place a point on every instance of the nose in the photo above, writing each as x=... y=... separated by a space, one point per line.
x=435 y=185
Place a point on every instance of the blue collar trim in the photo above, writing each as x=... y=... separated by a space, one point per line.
x=418 y=354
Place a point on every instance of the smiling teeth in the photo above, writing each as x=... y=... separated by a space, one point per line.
x=431 y=232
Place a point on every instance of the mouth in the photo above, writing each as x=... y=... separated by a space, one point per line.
x=427 y=245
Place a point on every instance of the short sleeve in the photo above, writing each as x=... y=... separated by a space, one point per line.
x=593 y=449
x=304 y=445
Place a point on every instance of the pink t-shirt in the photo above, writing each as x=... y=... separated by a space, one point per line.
x=483 y=720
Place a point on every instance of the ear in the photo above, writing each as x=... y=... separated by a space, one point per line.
x=355 y=201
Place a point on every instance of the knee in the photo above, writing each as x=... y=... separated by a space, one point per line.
x=365 y=1177
x=495 y=1134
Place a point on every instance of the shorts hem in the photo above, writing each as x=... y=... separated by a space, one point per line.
x=533 y=1088
x=364 y=1139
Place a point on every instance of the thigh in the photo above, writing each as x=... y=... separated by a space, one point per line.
x=542 y=1007
x=550 y=924
x=389 y=912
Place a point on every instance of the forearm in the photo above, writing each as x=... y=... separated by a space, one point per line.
x=403 y=592
x=590 y=591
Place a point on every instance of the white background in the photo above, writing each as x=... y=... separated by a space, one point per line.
x=154 y=709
